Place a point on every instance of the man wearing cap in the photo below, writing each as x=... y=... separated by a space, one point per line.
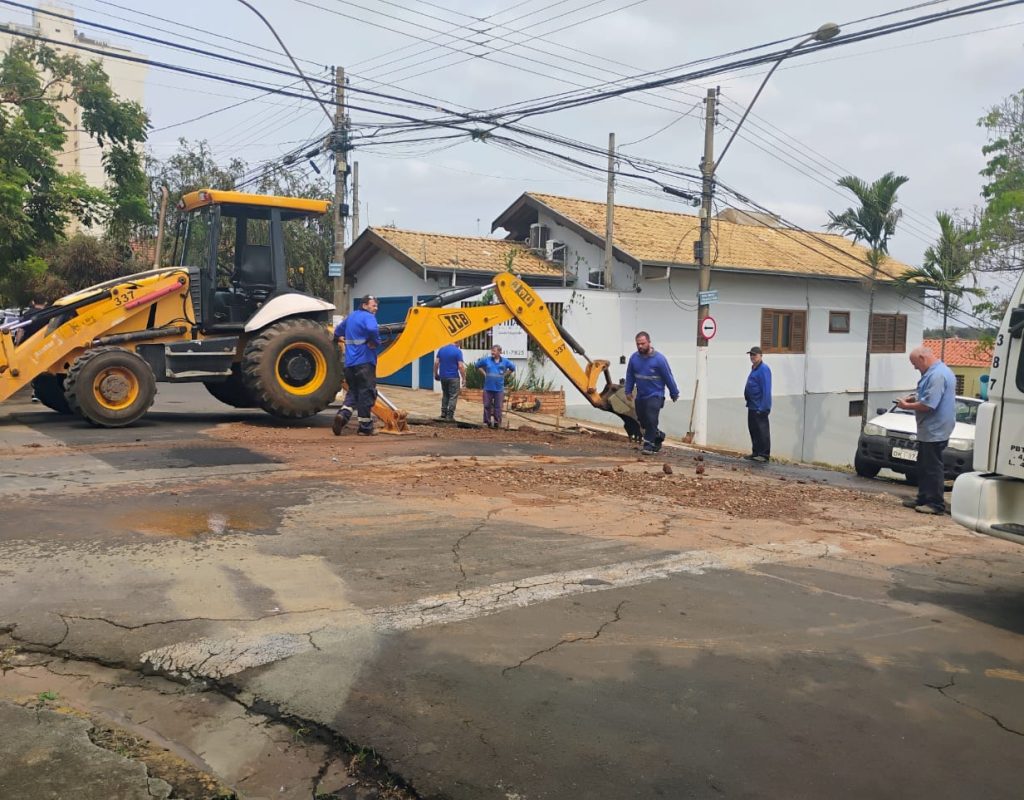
x=648 y=373
x=758 y=394
x=362 y=338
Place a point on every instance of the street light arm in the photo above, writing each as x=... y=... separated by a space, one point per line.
x=295 y=64
x=757 y=94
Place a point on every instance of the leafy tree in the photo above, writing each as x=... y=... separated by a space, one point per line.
x=37 y=200
x=1002 y=220
x=874 y=223
x=947 y=265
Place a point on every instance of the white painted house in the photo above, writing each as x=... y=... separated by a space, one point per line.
x=802 y=298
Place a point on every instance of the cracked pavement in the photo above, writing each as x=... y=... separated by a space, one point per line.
x=499 y=615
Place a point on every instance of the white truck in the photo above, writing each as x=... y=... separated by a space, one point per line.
x=991 y=499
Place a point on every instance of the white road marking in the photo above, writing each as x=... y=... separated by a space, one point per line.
x=218 y=658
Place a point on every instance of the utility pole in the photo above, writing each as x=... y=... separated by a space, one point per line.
x=355 y=200
x=339 y=144
x=609 y=222
x=707 y=169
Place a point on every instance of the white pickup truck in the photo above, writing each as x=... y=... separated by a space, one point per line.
x=991 y=499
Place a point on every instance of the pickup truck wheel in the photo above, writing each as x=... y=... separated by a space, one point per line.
x=292 y=369
x=110 y=387
x=232 y=391
x=864 y=468
x=49 y=390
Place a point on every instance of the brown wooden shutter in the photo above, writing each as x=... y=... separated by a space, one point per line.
x=798 y=336
x=881 y=333
x=900 y=333
x=767 y=318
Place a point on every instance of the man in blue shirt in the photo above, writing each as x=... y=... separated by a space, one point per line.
x=494 y=367
x=934 y=407
x=758 y=394
x=649 y=374
x=450 y=370
x=362 y=338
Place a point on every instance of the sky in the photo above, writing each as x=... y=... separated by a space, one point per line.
x=907 y=103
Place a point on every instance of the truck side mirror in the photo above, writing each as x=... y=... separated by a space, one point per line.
x=1017 y=322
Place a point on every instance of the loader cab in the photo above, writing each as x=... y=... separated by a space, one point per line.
x=234 y=243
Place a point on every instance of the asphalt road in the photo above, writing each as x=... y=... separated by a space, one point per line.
x=486 y=649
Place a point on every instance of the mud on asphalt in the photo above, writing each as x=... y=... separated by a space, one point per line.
x=208 y=733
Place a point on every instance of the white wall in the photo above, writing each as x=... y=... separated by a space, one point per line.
x=812 y=391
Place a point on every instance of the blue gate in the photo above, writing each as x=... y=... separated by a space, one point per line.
x=394 y=309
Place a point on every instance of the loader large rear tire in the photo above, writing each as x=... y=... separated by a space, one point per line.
x=110 y=387
x=49 y=389
x=292 y=369
x=232 y=392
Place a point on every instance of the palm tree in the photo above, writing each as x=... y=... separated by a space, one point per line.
x=946 y=265
x=874 y=223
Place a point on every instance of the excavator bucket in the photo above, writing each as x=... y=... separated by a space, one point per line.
x=393 y=420
x=615 y=400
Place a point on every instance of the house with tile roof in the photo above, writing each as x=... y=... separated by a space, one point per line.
x=801 y=297
x=969 y=359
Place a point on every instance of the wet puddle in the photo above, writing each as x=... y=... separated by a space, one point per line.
x=194 y=523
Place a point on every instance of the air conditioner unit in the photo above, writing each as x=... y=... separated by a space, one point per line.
x=555 y=252
x=539 y=236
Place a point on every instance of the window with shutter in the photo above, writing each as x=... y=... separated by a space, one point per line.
x=888 y=333
x=783 y=330
x=900 y=335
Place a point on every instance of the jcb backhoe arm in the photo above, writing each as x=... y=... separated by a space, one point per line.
x=428 y=327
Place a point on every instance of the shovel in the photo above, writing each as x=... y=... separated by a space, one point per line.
x=688 y=439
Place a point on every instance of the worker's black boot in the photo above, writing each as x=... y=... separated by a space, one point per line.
x=341 y=420
x=365 y=428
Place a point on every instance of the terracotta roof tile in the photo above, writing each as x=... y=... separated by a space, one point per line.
x=962 y=352
x=467 y=253
x=667 y=237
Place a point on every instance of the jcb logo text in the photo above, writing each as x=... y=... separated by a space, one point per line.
x=522 y=293
x=453 y=323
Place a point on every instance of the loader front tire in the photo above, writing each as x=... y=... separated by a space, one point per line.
x=292 y=369
x=110 y=387
x=232 y=391
x=49 y=390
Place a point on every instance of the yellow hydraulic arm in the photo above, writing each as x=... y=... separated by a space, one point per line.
x=82 y=320
x=427 y=328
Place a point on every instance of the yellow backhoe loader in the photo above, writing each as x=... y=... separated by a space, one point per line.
x=221 y=314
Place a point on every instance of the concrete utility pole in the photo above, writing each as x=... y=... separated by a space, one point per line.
x=355 y=200
x=609 y=222
x=339 y=144
x=707 y=169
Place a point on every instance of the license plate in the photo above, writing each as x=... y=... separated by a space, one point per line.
x=904 y=454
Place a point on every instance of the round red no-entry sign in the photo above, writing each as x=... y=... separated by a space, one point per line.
x=708 y=327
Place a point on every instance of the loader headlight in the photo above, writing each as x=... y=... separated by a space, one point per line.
x=870 y=429
x=961 y=444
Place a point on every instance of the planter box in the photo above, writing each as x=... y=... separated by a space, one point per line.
x=550 y=402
